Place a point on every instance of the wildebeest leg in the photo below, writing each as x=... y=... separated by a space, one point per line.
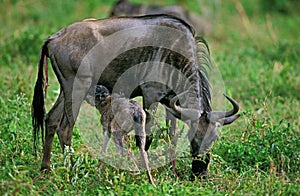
x=74 y=91
x=149 y=123
x=173 y=128
x=53 y=119
x=65 y=130
x=149 y=134
x=173 y=137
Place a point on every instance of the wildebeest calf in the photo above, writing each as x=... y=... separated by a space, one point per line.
x=119 y=116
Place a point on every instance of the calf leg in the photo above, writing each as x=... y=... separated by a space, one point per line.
x=140 y=135
x=145 y=160
x=106 y=135
x=118 y=139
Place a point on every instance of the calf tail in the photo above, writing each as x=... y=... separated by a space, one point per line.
x=38 y=102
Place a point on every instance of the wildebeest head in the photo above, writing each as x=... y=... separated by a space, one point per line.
x=203 y=129
x=204 y=125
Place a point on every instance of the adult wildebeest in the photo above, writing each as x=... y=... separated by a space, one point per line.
x=126 y=8
x=156 y=57
x=119 y=116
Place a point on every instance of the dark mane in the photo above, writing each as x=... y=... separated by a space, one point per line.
x=151 y=16
x=203 y=55
x=170 y=17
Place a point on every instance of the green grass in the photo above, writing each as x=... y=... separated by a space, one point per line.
x=257 y=51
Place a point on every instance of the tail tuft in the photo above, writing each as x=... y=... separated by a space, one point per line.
x=38 y=102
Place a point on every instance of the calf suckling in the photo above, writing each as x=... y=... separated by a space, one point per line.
x=119 y=116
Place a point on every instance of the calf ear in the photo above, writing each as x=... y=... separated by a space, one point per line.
x=106 y=101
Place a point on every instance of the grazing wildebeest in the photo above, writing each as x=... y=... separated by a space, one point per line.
x=156 y=57
x=126 y=8
x=120 y=115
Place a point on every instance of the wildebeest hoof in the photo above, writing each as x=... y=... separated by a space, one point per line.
x=100 y=166
x=45 y=170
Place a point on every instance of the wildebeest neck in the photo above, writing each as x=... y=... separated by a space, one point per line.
x=149 y=59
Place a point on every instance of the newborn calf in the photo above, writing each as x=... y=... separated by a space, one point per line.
x=119 y=116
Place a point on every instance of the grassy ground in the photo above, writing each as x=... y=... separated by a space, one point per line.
x=256 y=48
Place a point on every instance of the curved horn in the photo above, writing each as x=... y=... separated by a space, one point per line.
x=227 y=116
x=229 y=120
x=191 y=114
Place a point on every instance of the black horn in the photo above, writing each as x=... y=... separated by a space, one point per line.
x=229 y=120
x=188 y=113
x=228 y=116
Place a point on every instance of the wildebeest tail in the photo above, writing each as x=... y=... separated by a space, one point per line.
x=38 y=102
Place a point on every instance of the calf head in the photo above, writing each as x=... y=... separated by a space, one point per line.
x=101 y=93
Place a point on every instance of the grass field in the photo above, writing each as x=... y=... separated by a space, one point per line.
x=255 y=45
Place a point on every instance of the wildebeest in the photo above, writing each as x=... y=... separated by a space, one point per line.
x=156 y=57
x=126 y=8
x=119 y=116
